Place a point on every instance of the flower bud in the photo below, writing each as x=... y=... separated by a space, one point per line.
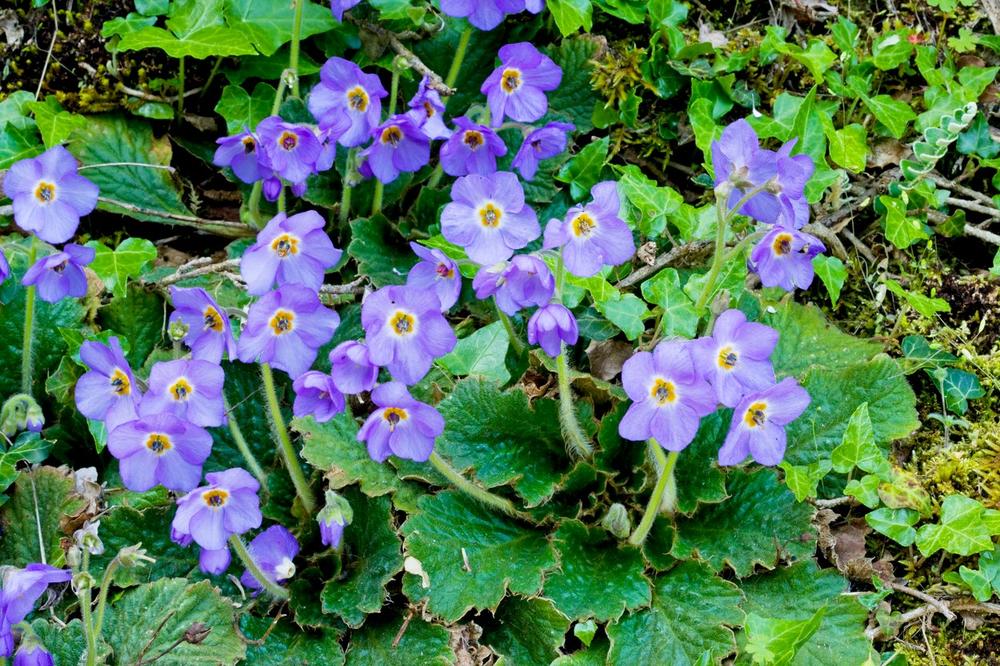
x=74 y=556
x=177 y=330
x=87 y=539
x=616 y=521
x=335 y=516
x=134 y=556
x=82 y=580
x=20 y=412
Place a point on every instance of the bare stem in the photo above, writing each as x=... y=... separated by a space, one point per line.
x=666 y=484
x=285 y=447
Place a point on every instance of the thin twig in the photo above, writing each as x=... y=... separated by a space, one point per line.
x=262 y=639
x=434 y=80
x=687 y=254
x=48 y=54
x=982 y=234
x=831 y=503
x=974 y=207
x=182 y=274
x=402 y=629
x=961 y=189
x=221 y=227
x=877 y=632
x=939 y=605
x=152 y=638
x=157 y=98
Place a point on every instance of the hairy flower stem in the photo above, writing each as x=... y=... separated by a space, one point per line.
x=346 y=182
x=393 y=92
x=666 y=488
x=102 y=596
x=577 y=442
x=456 y=62
x=253 y=203
x=275 y=590
x=515 y=341
x=241 y=444
x=285 y=448
x=293 y=59
x=29 y=325
x=471 y=489
x=85 y=612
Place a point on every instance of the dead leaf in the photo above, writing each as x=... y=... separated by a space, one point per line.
x=887 y=152
x=607 y=358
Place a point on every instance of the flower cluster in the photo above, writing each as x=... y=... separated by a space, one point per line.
x=19 y=590
x=769 y=186
x=681 y=381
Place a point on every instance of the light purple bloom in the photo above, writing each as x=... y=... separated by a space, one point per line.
x=471 y=149
x=484 y=14
x=4 y=267
x=285 y=328
x=401 y=426
x=405 y=331
x=786 y=178
x=61 y=274
x=398 y=145
x=592 y=236
x=347 y=102
x=48 y=194
x=188 y=389
x=273 y=551
x=209 y=515
x=160 y=449
x=351 y=368
x=19 y=590
x=783 y=258
x=668 y=394
x=239 y=153
x=316 y=394
x=516 y=89
x=436 y=272
x=333 y=518
x=522 y=283
x=209 y=332
x=759 y=420
x=488 y=217
x=213 y=561
x=338 y=7
x=290 y=150
x=551 y=326
x=428 y=111
x=735 y=359
x=291 y=250
x=541 y=144
x=32 y=654
x=107 y=392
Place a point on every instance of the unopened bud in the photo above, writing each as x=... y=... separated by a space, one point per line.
x=74 y=556
x=616 y=521
x=134 y=556
x=20 y=412
x=177 y=330
x=197 y=632
x=82 y=581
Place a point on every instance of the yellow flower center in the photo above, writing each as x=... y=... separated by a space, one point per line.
x=357 y=98
x=756 y=415
x=402 y=323
x=583 y=225
x=288 y=140
x=391 y=135
x=284 y=245
x=663 y=392
x=782 y=244
x=215 y=498
x=510 y=80
x=393 y=415
x=158 y=443
x=181 y=389
x=45 y=192
x=212 y=320
x=490 y=215
x=473 y=139
x=120 y=382
x=282 y=322
x=248 y=145
x=727 y=358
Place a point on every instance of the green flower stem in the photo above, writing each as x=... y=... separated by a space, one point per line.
x=253 y=202
x=345 y=196
x=456 y=62
x=293 y=59
x=666 y=486
x=180 y=89
x=281 y=199
x=393 y=92
x=577 y=442
x=85 y=614
x=29 y=325
x=515 y=340
x=275 y=590
x=102 y=596
x=285 y=448
x=470 y=488
x=211 y=76
x=241 y=444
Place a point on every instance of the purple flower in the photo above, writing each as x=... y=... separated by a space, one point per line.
x=49 y=196
x=347 y=102
x=592 y=235
x=239 y=153
x=405 y=331
x=107 y=392
x=786 y=178
x=209 y=515
x=436 y=272
x=20 y=589
x=732 y=154
x=488 y=217
x=32 y=654
x=61 y=274
x=273 y=550
x=351 y=368
x=398 y=145
x=735 y=358
x=471 y=149
x=4 y=267
x=316 y=394
x=208 y=329
x=285 y=328
x=758 y=426
x=291 y=250
x=524 y=282
x=428 y=111
x=160 y=449
x=338 y=7
x=551 y=326
x=516 y=89
x=401 y=426
x=333 y=518
x=669 y=396
x=188 y=389
x=783 y=258
x=213 y=561
x=289 y=150
x=484 y=14
x=541 y=144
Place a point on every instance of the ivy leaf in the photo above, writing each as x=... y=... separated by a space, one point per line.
x=501 y=553
x=688 y=618
x=578 y=592
x=149 y=619
x=925 y=305
x=373 y=558
x=897 y=524
x=865 y=490
x=584 y=169
x=375 y=644
x=917 y=349
x=858 y=447
x=571 y=15
x=53 y=122
x=626 y=311
x=18 y=141
x=965 y=528
x=483 y=353
x=196 y=30
x=647 y=205
x=268 y=24
x=803 y=480
x=892 y=113
x=901 y=229
x=115 y=267
x=530 y=632
x=775 y=642
x=759 y=524
x=379 y=251
x=976 y=140
x=892 y=50
x=977 y=583
x=23 y=521
x=958 y=387
x=679 y=317
x=333 y=447
x=832 y=272
x=243 y=110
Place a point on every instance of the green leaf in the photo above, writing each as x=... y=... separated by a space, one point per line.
x=832 y=272
x=925 y=305
x=775 y=642
x=125 y=526
x=54 y=123
x=679 y=317
x=65 y=643
x=865 y=490
x=958 y=387
x=626 y=311
x=647 y=205
x=579 y=591
x=148 y=619
x=596 y=654
x=897 y=524
x=584 y=169
x=892 y=50
x=571 y=15
x=976 y=140
x=481 y=353
x=962 y=530
x=759 y=524
x=817 y=58
x=16 y=107
x=152 y=7
x=196 y=30
x=704 y=482
x=706 y=130
x=372 y=559
x=807 y=340
x=892 y=113
x=23 y=521
x=242 y=110
x=379 y=251
x=803 y=480
x=140 y=318
x=501 y=553
x=333 y=447
x=691 y=612
x=268 y=24
x=18 y=141
x=858 y=447
x=530 y=632
x=375 y=644
x=115 y=267
x=849 y=147
x=917 y=349
x=287 y=645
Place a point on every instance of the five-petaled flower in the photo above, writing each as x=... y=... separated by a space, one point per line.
x=108 y=392
x=189 y=389
x=19 y=591
x=347 y=102
x=209 y=332
x=551 y=326
x=471 y=149
x=735 y=359
x=317 y=395
x=783 y=258
x=210 y=514
x=290 y=150
x=61 y=274
x=516 y=89
x=541 y=144
x=523 y=282
x=758 y=425
x=489 y=217
x=397 y=145
x=401 y=426
x=160 y=449
x=592 y=236
x=289 y=250
x=239 y=153
x=436 y=272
